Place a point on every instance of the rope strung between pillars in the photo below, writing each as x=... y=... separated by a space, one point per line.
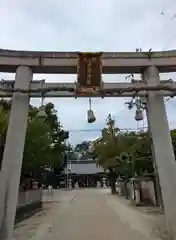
x=106 y=92
x=100 y=91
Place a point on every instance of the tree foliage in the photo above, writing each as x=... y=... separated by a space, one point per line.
x=108 y=146
x=173 y=135
x=108 y=149
x=44 y=145
x=128 y=153
x=124 y=154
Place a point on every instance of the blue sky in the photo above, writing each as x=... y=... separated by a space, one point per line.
x=94 y=25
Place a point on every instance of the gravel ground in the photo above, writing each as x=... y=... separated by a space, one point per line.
x=27 y=229
x=90 y=214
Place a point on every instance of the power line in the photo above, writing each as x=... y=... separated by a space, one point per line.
x=165 y=26
x=100 y=129
x=153 y=27
x=170 y=39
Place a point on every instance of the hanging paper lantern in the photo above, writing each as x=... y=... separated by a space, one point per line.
x=139 y=115
x=90 y=116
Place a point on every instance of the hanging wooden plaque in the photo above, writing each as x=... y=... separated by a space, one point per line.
x=89 y=70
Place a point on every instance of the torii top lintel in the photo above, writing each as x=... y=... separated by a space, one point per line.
x=66 y=62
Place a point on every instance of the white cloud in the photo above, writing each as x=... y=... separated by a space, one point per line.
x=93 y=25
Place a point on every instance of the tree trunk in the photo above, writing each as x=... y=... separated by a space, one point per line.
x=112 y=180
x=113 y=188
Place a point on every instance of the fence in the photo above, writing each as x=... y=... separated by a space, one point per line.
x=29 y=197
x=141 y=191
x=29 y=202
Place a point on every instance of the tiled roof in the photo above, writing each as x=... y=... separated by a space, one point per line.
x=85 y=167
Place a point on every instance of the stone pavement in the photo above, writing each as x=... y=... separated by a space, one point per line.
x=91 y=215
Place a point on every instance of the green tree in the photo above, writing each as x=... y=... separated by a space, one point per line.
x=142 y=155
x=123 y=153
x=173 y=135
x=44 y=143
x=37 y=147
x=138 y=147
x=108 y=149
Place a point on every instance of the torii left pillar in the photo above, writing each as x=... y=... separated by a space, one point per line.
x=13 y=154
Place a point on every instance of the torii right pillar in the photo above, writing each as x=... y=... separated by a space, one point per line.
x=163 y=149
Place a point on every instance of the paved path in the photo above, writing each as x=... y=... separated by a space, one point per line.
x=93 y=215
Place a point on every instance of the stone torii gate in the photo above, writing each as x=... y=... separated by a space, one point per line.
x=24 y=64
